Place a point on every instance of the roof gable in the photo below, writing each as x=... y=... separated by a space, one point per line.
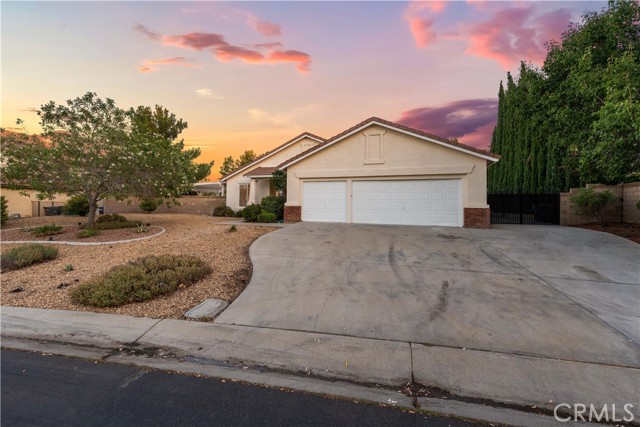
x=272 y=152
x=453 y=144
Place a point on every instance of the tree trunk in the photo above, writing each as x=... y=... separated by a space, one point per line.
x=93 y=204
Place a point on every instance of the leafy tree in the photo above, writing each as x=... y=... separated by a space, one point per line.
x=576 y=119
x=228 y=166
x=4 y=213
x=93 y=148
x=279 y=182
x=245 y=158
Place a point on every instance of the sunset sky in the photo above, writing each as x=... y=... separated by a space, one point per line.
x=251 y=75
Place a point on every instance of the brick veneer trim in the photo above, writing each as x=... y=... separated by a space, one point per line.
x=292 y=214
x=477 y=218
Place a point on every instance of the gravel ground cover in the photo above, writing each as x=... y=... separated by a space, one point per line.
x=48 y=285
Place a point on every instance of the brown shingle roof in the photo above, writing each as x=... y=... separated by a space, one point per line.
x=303 y=134
x=451 y=142
x=261 y=171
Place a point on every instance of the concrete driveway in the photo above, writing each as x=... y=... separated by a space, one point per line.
x=545 y=291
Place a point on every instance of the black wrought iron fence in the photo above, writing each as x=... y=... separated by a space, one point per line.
x=524 y=208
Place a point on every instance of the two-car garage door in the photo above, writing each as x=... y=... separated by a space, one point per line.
x=410 y=202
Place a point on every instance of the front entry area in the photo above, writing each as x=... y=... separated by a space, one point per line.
x=394 y=201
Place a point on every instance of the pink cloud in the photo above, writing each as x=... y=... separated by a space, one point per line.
x=422 y=32
x=265 y=28
x=195 y=41
x=150 y=65
x=224 y=51
x=516 y=34
x=421 y=26
x=470 y=120
x=302 y=60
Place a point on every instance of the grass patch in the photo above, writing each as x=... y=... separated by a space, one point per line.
x=47 y=230
x=87 y=232
x=26 y=255
x=141 y=280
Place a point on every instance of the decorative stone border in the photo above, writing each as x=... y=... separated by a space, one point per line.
x=54 y=242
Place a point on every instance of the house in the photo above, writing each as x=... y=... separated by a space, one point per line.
x=380 y=172
x=250 y=183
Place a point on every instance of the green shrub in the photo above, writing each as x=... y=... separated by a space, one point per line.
x=87 y=232
x=267 y=217
x=141 y=280
x=4 y=213
x=47 y=230
x=239 y=213
x=77 y=205
x=223 y=211
x=111 y=218
x=251 y=212
x=25 y=255
x=590 y=202
x=274 y=205
x=149 y=205
x=232 y=229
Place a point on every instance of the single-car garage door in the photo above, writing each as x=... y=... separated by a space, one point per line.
x=324 y=201
x=410 y=202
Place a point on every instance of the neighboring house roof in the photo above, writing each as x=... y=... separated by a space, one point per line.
x=451 y=143
x=261 y=171
x=272 y=152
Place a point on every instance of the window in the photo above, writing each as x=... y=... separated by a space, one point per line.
x=244 y=194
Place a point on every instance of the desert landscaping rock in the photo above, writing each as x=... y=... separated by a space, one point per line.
x=196 y=235
x=207 y=310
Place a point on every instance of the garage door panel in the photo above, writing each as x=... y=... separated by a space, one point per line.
x=324 y=201
x=411 y=202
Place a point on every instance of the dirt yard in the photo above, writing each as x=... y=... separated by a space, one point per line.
x=627 y=230
x=48 y=285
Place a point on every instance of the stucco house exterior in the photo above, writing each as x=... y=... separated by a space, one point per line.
x=250 y=183
x=380 y=172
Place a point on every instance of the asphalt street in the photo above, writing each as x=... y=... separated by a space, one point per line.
x=48 y=390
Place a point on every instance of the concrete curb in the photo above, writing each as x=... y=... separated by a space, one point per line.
x=53 y=242
x=224 y=350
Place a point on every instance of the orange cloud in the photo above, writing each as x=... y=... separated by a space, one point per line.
x=228 y=53
x=516 y=34
x=301 y=59
x=149 y=65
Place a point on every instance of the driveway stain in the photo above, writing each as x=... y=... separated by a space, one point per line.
x=443 y=299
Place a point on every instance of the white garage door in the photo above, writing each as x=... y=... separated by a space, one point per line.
x=324 y=201
x=411 y=202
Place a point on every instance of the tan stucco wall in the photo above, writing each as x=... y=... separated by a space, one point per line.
x=256 y=194
x=405 y=157
x=19 y=204
x=622 y=208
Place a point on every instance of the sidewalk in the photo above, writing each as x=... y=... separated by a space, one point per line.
x=368 y=369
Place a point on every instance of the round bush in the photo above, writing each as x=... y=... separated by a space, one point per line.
x=4 y=213
x=141 y=280
x=111 y=218
x=77 y=205
x=148 y=205
x=25 y=255
x=274 y=205
x=223 y=211
x=267 y=217
x=251 y=212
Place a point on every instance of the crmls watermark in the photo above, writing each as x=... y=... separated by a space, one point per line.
x=591 y=412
